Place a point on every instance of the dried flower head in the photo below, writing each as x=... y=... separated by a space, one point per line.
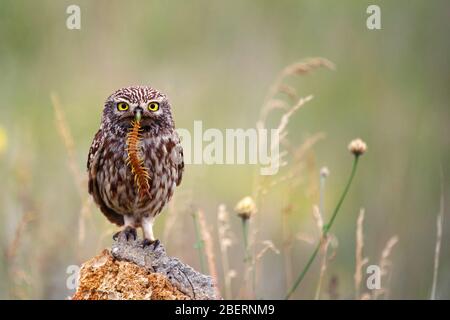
x=245 y=208
x=324 y=172
x=357 y=147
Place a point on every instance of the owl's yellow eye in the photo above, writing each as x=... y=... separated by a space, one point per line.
x=153 y=106
x=122 y=106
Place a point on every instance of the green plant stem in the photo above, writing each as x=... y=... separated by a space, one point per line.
x=303 y=273
x=245 y=235
x=250 y=264
x=341 y=200
x=199 y=243
x=326 y=229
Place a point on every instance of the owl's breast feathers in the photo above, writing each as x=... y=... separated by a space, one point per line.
x=111 y=182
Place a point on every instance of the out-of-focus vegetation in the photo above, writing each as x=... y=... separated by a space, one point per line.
x=216 y=60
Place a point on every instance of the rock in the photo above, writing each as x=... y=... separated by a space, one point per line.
x=130 y=271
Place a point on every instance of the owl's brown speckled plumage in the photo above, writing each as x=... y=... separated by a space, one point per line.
x=111 y=182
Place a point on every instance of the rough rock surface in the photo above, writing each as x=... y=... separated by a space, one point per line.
x=130 y=271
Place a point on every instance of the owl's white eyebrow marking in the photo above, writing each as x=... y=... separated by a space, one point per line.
x=157 y=99
x=131 y=104
x=138 y=94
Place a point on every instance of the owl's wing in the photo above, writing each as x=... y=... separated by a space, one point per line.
x=92 y=165
x=179 y=162
x=180 y=166
x=93 y=150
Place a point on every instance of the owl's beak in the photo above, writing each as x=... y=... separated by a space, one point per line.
x=138 y=114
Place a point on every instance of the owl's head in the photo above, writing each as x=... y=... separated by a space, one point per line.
x=124 y=105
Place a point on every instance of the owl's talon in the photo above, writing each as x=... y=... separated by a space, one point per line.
x=147 y=243
x=129 y=233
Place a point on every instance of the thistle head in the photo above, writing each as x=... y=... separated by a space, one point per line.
x=357 y=147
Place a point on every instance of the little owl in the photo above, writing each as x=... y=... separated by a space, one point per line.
x=136 y=159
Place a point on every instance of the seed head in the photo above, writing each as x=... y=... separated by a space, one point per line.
x=324 y=172
x=357 y=147
x=245 y=208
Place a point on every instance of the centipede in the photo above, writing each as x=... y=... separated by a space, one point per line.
x=135 y=161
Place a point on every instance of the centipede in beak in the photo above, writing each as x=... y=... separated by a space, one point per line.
x=135 y=161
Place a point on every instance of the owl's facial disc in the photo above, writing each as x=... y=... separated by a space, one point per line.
x=148 y=113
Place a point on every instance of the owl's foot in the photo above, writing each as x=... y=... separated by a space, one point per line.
x=129 y=233
x=147 y=243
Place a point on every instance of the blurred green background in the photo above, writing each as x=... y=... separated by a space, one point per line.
x=216 y=61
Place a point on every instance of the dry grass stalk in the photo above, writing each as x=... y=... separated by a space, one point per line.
x=384 y=265
x=288 y=241
x=209 y=246
x=289 y=91
x=437 y=250
x=225 y=242
x=298 y=68
x=282 y=131
x=272 y=103
x=323 y=266
x=267 y=246
x=84 y=213
x=365 y=296
x=285 y=117
x=78 y=177
x=181 y=203
x=326 y=241
x=20 y=282
x=11 y=252
x=111 y=229
x=252 y=267
x=306 y=146
x=304 y=67
x=361 y=261
x=326 y=230
x=318 y=219
x=17 y=276
x=293 y=178
x=171 y=218
x=277 y=104
x=304 y=237
x=67 y=139
x=294 y=174
x=333 y=288
x=323 y=250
